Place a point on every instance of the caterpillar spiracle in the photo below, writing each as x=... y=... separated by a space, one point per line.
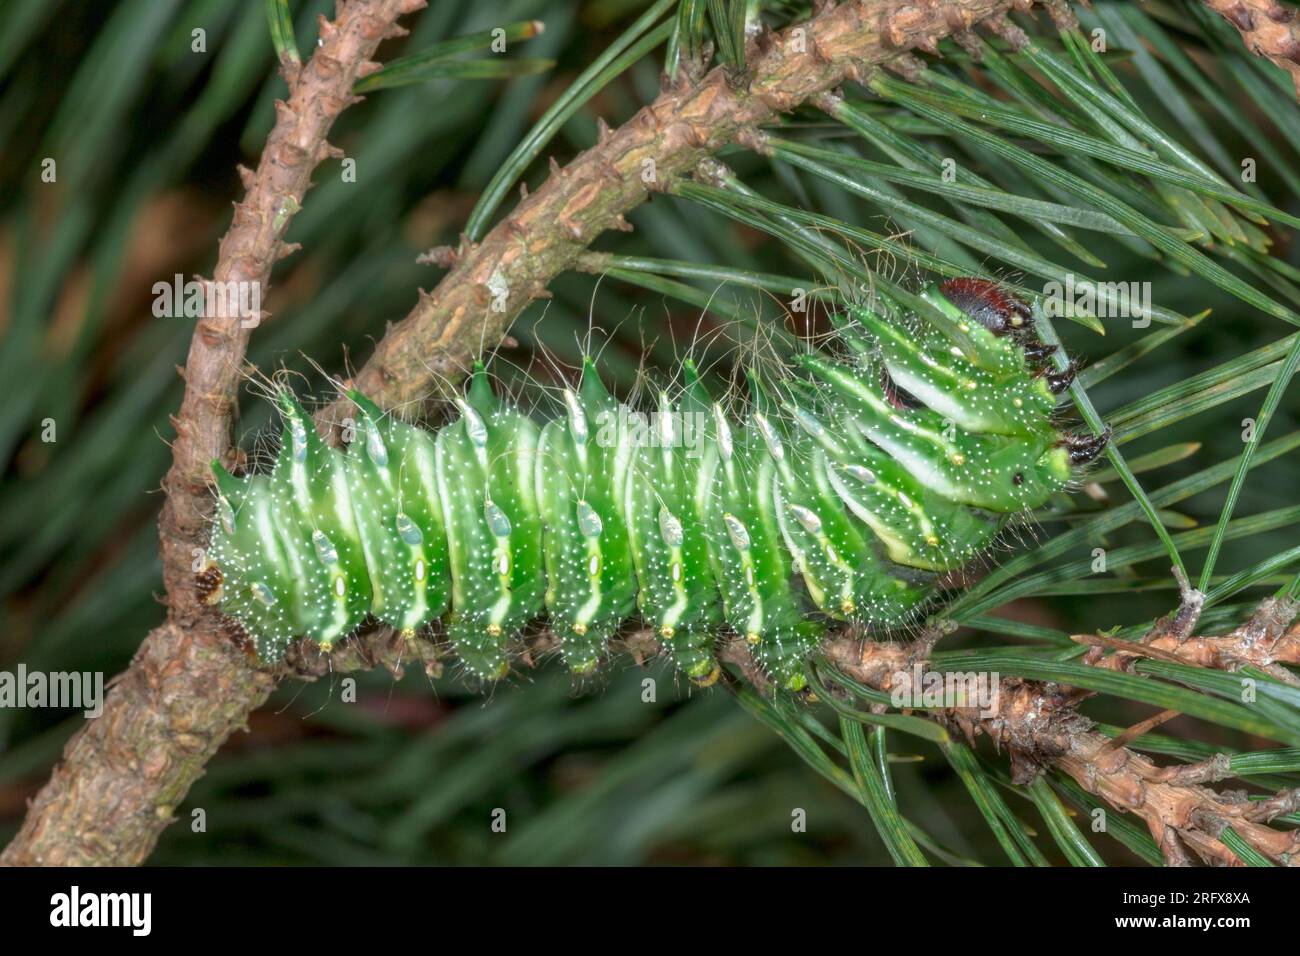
x=850 y=486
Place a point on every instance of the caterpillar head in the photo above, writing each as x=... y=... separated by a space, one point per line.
x=988 y=304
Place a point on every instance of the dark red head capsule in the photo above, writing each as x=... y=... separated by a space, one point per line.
x=896 y=395
x=988 y=304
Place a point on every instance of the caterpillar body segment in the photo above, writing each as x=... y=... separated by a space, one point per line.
x=998 y=473
x=754 y=568
x=257 y=587
x=312 y=506
x=930 y=368
x=676 y=593
x=916 y=527
x=485 y=463
x=839 y=559
x=583 y=462
x=841 y=493
x=398 y=512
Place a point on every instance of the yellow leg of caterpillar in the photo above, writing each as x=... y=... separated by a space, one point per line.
x=709 y=679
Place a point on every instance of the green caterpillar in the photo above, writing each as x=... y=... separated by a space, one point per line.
x=846 y=491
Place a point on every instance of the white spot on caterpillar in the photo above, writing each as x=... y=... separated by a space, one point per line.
x=325 y=549
x=811 y=523
x=670 y=528
x=737 y=531
x=408 y=530
x=593 y=566
x=589 y=523
x=375 y=446
x=770 y=436
x=419 y=569
x=496 y=519
x=667 y=423
x=474 y=427
x=725 y=445
x=810 y=424
x=298 y=436
x=227 y=515
x=861 y=473
x=340 y=586
x=577 y=417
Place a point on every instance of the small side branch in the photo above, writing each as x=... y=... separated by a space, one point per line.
x=1267 y=641
x=1039 y=727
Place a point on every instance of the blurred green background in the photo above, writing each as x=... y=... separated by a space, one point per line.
x=146 y=134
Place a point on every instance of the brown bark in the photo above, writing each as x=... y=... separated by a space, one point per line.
x=1039 y=726
x=124 y=774
x=1265 y=641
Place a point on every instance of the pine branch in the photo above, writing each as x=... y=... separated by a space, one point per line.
x=1265 y=641
x=1040 y=728
x=190 y=686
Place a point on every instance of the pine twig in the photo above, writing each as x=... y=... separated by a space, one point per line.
x=1266 y=641
x=1039 y=726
